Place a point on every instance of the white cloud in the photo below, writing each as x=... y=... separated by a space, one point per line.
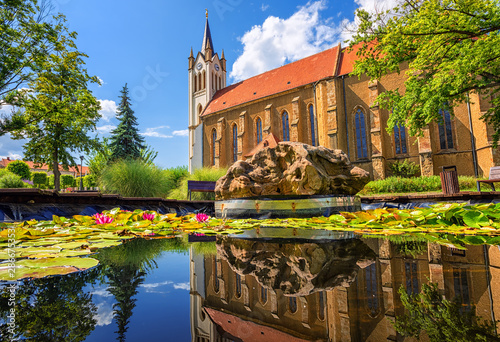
x=102 y=292
x=182 y=286
x=108 y=109
x=100 y=81
x=371 y=6
x=105 y=129
x=6 y=109
x=13 y=156
x=264 y=7
x=155 y=285
x=153 y=132
x=104 y=314
x=278 y=41
x=183 y=133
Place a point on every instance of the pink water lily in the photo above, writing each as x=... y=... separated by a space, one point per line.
x=201 y=217
x=148 y=216
x=102 y=219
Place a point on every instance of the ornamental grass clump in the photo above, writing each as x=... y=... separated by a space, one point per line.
x=134 y=178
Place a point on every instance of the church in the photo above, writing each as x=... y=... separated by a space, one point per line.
x=315 y=101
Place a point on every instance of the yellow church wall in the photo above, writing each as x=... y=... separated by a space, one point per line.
x=299 y=126
x=333 y=131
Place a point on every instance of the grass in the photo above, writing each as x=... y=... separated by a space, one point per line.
x=398 y=185
x=134 y=178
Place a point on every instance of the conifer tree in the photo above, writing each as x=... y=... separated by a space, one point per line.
x=125 y=142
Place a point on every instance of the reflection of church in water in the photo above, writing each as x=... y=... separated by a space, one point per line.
x=335 y=291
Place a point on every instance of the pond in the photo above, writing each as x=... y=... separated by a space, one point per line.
x=344 y=288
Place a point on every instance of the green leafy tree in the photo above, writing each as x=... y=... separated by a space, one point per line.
x=20 y=168
x=58 y=108
x=40 y=178
x=441 y=319
x=126 y=143
x=451 y=48
x=51 y=309
x=26 y=38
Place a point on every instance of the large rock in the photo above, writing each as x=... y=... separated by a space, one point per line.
x=297 y=269
x=292 y=168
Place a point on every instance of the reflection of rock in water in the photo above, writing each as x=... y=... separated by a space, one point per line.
x=297 y=269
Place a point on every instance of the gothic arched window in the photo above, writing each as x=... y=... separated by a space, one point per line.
x=204 y=75
x=258 y=130
x=195 y=83
x=445 y=130
x=214 y=139
x=361 y=143
x=411 y=278
x=313 y=125
x=238 y=285
x=371 y=288
x=235 y=143
x=263 y=294
x=285 y=126
x=216 y=276
x=292 y=304
x=400 y=139
x=321 y=305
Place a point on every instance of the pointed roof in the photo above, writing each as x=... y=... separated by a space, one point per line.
x=240 y=329
x=269 y=141
x=207 y=38
x=299 y=73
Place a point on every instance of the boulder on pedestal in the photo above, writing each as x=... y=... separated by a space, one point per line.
x=292 y=168
x=297 y=269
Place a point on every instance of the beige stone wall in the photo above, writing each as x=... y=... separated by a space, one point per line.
x=335 y=124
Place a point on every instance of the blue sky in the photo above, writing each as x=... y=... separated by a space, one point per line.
x=146 y=44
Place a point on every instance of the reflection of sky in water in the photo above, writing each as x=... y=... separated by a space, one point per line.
x=162 y=305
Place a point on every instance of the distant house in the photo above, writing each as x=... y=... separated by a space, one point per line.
x=75 y=172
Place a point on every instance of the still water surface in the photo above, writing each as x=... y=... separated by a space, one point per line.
x=274 y=290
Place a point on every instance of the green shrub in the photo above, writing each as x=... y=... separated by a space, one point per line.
x=89 y=181
x=416 y=184
x=10 y=181
x=50 y=182
x=39 y=178
x=133 y=178
x=20 y=168
x=4 y=172
x=67 y=181
x=406 y=169
x=204 y=174
x=174 y=176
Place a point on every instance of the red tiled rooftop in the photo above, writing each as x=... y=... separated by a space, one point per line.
x=249 y=331
x=4 y=162
x=347 y=58
x=289 y=76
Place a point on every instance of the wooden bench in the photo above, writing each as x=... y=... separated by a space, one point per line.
x=494 y=177
x=200 y=186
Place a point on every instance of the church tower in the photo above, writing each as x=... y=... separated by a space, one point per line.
x=207 y=75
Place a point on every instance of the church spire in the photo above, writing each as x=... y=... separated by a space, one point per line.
x=207 y=37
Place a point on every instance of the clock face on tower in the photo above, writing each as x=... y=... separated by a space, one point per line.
x=199 y=66
x=217 y=67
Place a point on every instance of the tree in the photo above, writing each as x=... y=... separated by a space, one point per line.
x=126 y=143
x=26 y=38
x=20 y=168
x=58 y=109
x=452 y=48
x=441 y=319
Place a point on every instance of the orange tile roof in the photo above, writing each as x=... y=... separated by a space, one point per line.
x=347 y=59
x=289 y=76
x=4 y=162
x=248 y=331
